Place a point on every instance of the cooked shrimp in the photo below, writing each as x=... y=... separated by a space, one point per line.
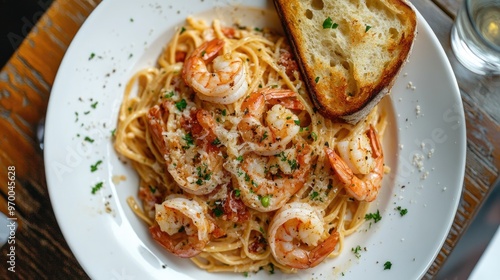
x=189 y=149
x=298 y=238
x=366 y=186
x=357 y=153
x=157 y=119
x=267 y=183
x=182 y=226
x=218 y=78
x=269 y=133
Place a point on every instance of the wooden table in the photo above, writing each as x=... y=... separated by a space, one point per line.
x=25 y=84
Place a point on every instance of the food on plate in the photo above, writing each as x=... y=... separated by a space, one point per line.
x=236 y=167
x=351 y=52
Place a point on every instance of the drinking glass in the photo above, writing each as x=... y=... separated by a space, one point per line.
x=475 y=36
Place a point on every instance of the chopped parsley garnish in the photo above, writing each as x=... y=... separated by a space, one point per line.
x=131 y=20
x=203 y=53
x=313 y=195
x=93 y=167
x=239 y=158
x=264 y=136
x=297 y=122
x=237 y=193
x=328 y=23
x=203 y=175
x=189 y=141
x=92 y=55
x=94 y=105
x=76 y=116
x=181 y=105
x=314 y=136
x=271 y=268
x=293 y=164
x=375 y=216
x=218 y=211
x=97 y=187
x=88 y=139
x=216 y=142
x=387 y=265
x=152 y=189
x=316 y=80
x=247 y=177
x=283 y=156
x=402 y=211
x=273 y=169
x=224 y=112
x=113 y=132
x=356 y=251
x=183 y=29
x=258 y=29
x=367 y=28
x=168 y=95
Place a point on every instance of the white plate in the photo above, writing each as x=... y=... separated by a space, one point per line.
x=121 y=37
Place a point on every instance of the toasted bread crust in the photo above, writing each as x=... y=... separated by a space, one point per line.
x=342 y=90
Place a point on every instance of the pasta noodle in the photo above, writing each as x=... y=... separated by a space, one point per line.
x=211 y=175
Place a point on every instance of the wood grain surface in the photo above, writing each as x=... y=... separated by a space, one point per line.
x=25 y=84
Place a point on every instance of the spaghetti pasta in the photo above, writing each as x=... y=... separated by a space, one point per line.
x=227 y=144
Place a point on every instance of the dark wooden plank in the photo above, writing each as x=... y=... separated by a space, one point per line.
x=25 y=82
x=450 y=7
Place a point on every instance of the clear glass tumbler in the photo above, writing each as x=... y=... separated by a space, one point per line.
x=475 y=36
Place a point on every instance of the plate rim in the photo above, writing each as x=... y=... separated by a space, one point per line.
x=101 y=8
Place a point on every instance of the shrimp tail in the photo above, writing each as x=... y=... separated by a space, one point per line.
x=285 y=97
x=365 y=188
x=341 y=168
x=353 y=184
x=323 y=250
x=210 y=49
x=171 y=244
x=374 y=142
x=156 y=126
